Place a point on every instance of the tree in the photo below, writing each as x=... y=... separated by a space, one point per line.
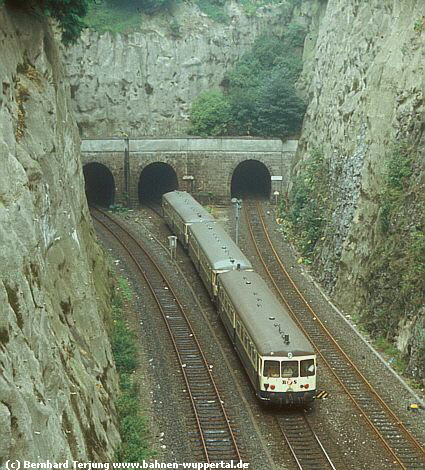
x=261 y=87
x=280 y=110
x=210 y=114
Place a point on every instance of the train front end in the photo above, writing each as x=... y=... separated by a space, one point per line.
x=287 y=380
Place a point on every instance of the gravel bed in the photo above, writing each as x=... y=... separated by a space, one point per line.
x=343 y=433
x=158 y=368
x=256 y=437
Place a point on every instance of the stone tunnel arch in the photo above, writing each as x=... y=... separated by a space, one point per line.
x=99 y=184
x=251 y=178
x=155 y=180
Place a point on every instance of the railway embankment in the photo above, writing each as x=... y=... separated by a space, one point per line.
x=57 y=378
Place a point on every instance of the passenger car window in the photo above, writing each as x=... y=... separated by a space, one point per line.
x=289 y=369
x=271 y=369
x=307 y=368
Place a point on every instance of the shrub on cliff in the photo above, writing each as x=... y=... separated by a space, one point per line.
x=68 y=13
x=214 y=9
x=210 y=114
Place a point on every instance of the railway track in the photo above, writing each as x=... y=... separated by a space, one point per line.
x=214 y=430
x=404 y=449
x=303 y=442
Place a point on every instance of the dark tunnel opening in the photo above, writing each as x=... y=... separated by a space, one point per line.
x=251 y=178
x=155 y=180
x=100 y=185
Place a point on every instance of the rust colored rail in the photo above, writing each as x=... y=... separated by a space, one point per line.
x=214 y=428
x=304 y=444
x=406 y=451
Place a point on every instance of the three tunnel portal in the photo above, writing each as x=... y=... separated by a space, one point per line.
x=130 y=172
x=249 y=178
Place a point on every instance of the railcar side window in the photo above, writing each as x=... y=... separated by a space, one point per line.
x=307 y=368
x=271 y=369
x=289 y=369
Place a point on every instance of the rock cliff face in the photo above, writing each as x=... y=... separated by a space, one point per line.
x=365 y=85
x=57 y=378
x=143 y=83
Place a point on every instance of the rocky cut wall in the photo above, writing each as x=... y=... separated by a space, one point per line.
x=57 y=378
x=365 y=86
x=143 y=83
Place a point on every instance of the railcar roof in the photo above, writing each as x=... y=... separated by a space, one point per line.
x=187 y=207
x=264 y=317
x=218 y=247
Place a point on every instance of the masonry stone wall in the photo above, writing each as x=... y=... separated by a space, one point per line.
x=211 y=162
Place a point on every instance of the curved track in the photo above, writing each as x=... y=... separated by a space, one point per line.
x=405 y=450
x=214 y=429
x=304 y=444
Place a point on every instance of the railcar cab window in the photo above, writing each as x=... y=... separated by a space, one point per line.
x=289 y=369
x=307 y=368
x=271 y=369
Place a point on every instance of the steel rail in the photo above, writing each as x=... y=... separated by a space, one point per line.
x=304 y=444
x=395 y=420
x=195 y=400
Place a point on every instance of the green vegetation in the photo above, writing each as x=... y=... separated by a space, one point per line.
x=118 y=207
x=398 y=265
x=308 y=205
x=399 y=170
x=395 y=358
x=210 y=114
x=110 y=16
x=68 y=13
x=214 y=9
x=250 y=7
x=132 y=424
x=123 y=16
x=259 y=96
x=419 y=25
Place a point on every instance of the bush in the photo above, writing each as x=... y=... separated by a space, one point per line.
x=399 y=167
x=210 y=114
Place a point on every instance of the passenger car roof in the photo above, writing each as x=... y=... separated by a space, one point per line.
x=265 y=318
x=218 y=247
x=187 y=207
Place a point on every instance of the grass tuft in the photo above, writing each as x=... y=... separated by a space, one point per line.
x=132 y=423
